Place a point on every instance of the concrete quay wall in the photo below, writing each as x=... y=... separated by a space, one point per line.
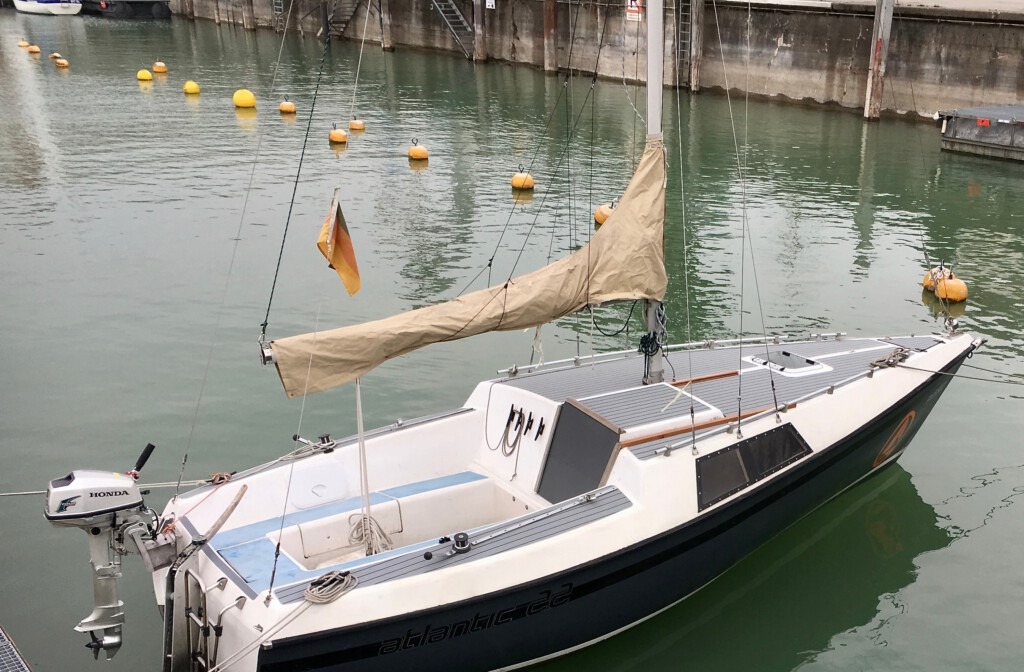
x=804 y=51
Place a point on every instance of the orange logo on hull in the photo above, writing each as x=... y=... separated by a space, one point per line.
x=894 y=439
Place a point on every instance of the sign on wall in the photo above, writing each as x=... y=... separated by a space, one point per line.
x=634 y=10
x=490 y=4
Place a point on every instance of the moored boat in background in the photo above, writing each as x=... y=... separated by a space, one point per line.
x=52 y=7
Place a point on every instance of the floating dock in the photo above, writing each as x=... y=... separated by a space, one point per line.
x=10 y=657
x=996 y=131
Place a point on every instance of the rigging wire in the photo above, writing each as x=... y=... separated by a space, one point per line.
x=298 y=172
x=359 y=63
x=231 y=262
x=745 y=238
x=686 y=242
x=291 y=464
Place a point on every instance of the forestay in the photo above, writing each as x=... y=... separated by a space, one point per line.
x=624 y=261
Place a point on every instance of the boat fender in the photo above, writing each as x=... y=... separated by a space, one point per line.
x=461 y=544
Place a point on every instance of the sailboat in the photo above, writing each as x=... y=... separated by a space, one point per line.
x=561 y=504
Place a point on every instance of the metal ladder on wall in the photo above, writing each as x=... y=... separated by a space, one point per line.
x=279 y=18
x=684 y=31
x=460 y=29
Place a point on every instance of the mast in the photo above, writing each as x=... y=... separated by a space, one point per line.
x=654 y=312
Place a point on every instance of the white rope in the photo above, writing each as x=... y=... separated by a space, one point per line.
x=378 y=540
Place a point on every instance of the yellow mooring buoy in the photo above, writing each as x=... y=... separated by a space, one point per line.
x=54 y=55
x=286 y=106
x=144 y=75
x=418 y=152
x=602 y=213
x=337 y=136
x=522 y=179
x=23 y=43
x=61 y=63
x=33 y=49
x=356 y=125
x=190 y=88
x=160 y=68
x=244 y=99
x=944 y=284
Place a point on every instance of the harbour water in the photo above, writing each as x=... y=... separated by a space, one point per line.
x=140 y=231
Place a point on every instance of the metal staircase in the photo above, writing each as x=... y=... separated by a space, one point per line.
x=457 y=24
x=343 y=13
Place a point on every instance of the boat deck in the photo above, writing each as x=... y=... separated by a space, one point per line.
x=712 y=377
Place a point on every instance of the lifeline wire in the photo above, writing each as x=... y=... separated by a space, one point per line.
x=231 y=265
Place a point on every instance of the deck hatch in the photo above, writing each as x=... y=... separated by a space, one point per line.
x=582 y=449
x=726 y=472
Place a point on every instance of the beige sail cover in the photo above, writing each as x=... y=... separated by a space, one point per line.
x=623 y=261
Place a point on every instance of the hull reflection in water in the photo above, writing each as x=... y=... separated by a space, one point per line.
x=782 y=605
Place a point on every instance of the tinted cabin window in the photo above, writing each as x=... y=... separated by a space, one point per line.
x=728 y=471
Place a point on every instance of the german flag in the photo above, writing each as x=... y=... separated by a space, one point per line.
x=336 y=245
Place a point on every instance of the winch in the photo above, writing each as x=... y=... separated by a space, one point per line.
x=109 y=508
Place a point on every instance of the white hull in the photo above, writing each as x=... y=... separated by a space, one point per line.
x=472 y=486
x=51 y=8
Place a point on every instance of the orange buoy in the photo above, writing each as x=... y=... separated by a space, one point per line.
x=356 y=125
x=602 y=213
x=23 y=43
x=932 y=277
x=951 y=289
x=54 y=55
x=61 y=63
x=286 y=106
x=417 y=152
x=522 y=179
x=33 y=49
x=160 y=68
x=337 y=136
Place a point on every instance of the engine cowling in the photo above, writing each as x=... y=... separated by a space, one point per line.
x=88 y=497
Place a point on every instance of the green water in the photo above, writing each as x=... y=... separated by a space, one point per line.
x=133 y=289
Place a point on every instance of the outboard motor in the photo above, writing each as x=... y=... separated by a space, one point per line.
x=108 y=506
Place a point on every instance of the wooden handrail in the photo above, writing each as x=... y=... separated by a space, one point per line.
x=629 y=443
